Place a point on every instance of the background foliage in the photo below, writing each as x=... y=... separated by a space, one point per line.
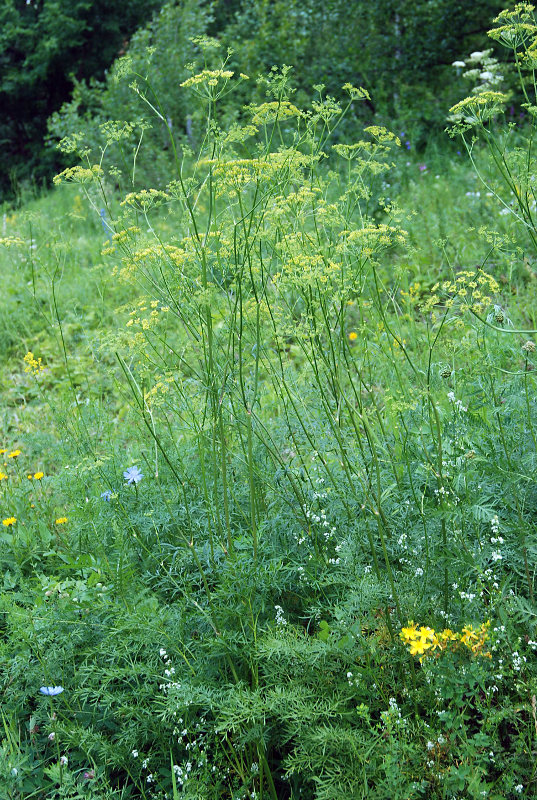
x=44 y=45
x=400 y=51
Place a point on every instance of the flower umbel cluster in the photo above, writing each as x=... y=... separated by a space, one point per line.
x=423 y=641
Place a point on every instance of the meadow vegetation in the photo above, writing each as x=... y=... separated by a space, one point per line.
x=269 y=444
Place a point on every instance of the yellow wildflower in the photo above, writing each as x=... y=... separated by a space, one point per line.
x=33 y=364
x=14 y=454
x=419 y=646
x=38 y=476
x=3 y=476
x=206 y=76
x=468 y=635
x=447 y=635
x=410 y=633
x=60 y=520
x=9 y=521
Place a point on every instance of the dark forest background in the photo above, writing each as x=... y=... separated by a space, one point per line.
x=59 y=62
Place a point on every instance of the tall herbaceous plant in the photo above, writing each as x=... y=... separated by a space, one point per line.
x=263 y=312
x=327 y=446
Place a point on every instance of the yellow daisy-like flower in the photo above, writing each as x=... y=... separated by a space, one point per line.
x=3 y=476
x=14 y=454
x=3 y=451
x=426 y=633
x=60 y=520
x=9 y=521
x=410 y=633
x=38 y=475
x=468 y=635
x=419 y=646
x=353 y=336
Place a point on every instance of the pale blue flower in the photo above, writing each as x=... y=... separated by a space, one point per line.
x=105 y=224
x=51 y=691
x=106 y=495
x=133 y=475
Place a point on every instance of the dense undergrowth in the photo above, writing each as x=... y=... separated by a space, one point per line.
x=269 y=500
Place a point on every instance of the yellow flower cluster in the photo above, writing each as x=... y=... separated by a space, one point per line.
x=147 y=257
x=11 y=241
x=476 y=110
x=126 y=235
x=145 y=199
x=209 y=76
x=33 y=364
x=476 y=102
x=79 y=174
x=474 y=289
x=423 y=641
x=515 y=26
x=371 y=239
x=238 y=173
x=149 y=321
x=270 y=112
x=355 y=91
x=382 y=134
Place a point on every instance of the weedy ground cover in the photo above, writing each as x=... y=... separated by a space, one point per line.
x=269 y=444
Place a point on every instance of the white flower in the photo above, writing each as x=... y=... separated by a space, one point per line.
x=134 y=754
x=458 y=64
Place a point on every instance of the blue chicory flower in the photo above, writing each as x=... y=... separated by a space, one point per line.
x=107 y=495
x=133 y=475
x=51 y=691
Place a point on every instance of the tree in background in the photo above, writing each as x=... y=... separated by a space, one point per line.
x=401 y=51
x=53 y=54
x=43 y=45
